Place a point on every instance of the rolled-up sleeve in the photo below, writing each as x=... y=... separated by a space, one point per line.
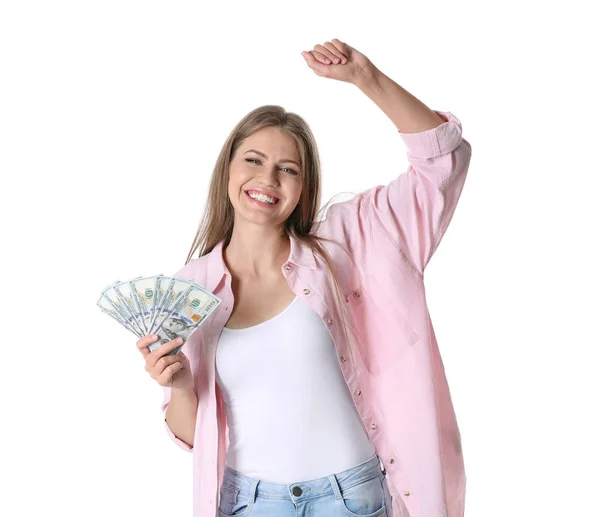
x=415 y=208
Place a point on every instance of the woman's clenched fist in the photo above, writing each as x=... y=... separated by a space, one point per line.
x=168 y=370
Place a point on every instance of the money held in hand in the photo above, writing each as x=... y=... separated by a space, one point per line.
x=167 y=306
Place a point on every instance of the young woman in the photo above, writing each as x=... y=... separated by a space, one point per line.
x=316 y=388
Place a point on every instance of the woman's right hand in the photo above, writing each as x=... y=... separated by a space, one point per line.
x=168 y=370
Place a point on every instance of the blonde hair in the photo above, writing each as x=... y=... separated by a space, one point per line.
x=218 y=218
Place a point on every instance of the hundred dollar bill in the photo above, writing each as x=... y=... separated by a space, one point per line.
x=170 y=291
x=146 y=291
x=121 y=306
x=185 y=314
x=116 y=312
x=121 y=294
x=162 y=299
x=167 y=306
x=174 y=298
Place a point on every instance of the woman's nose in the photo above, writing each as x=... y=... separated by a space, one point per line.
x=269 y=174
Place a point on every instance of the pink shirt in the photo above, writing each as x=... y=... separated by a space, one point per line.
x=393 y=368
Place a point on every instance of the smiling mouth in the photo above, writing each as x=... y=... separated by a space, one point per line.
x=259 y=201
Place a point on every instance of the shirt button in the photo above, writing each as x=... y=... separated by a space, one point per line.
x=306 y=291
x=288 y=267
x=343 y=359
x=329 y=321
x=373 y=425
x=356 y=294
x=392 y=460
x=358 y=392
x=407 y=493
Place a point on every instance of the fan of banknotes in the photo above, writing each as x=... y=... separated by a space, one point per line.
x=167 y=306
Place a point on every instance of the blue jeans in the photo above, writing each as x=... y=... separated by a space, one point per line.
x=360 y=491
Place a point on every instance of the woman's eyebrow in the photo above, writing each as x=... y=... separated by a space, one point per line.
x=265 y=156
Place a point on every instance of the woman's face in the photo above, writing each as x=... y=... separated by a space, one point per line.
x=278 y=172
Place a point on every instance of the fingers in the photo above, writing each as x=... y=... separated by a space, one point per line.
x=159 y=365
x=336 y=52
x=332 y=52
x=341 y=47
x=143 y=343
x=164 y=369
x=166 y=377
x=317 y=56
x=152 y=358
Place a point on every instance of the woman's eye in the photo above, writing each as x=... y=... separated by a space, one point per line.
x=287 y=168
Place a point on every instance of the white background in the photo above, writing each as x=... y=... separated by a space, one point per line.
x=112 y=115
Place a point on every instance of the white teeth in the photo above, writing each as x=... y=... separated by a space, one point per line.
x=262 y=197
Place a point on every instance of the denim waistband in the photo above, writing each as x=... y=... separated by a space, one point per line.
x=312 y=488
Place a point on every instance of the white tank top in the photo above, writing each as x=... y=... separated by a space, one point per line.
x=290 y=414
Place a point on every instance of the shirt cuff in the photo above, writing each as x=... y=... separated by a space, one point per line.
x=435 y=142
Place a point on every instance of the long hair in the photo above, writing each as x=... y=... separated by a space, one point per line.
x=218 y=218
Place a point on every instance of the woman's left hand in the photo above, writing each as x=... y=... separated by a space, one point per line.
x=351 y=67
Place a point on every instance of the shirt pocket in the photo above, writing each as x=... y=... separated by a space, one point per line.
x=384 y=334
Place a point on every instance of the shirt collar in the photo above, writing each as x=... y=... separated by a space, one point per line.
x=300 y=255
